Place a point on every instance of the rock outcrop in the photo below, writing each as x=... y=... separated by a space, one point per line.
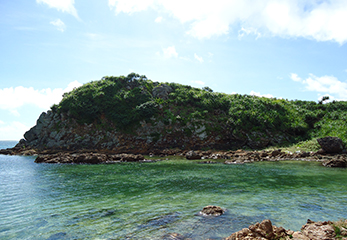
x=310 y=231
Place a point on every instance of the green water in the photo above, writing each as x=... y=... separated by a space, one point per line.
x=149 y=200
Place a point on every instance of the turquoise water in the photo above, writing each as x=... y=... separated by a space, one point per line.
x=149 y=200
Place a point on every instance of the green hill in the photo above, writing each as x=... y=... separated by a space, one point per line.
x=167 y=115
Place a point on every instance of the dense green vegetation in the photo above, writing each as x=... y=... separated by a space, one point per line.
x=127 y=100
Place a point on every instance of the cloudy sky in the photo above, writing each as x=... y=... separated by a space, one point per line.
x=292 y=49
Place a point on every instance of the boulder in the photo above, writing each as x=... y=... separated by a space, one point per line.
x=211 y=210
x=191 y=155
x=319 y=230
x=331 y=144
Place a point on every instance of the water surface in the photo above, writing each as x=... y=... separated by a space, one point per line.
x=149 y=200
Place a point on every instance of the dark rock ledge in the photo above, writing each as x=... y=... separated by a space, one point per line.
x=88 y=158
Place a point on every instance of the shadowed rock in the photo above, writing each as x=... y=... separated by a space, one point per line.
x=331 y=144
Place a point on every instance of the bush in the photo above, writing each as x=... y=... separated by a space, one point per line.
x=126 y=100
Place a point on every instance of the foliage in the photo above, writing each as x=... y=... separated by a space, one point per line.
x=127 y=100
x=123 y=100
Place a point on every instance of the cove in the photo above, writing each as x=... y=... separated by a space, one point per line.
x=149 y=200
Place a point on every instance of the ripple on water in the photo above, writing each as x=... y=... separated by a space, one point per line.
x=147 y=201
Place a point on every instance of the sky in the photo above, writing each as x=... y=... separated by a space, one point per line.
x=290 y=49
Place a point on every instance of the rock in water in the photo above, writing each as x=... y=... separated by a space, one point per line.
x=331 y=144
x=191 y=155
x=212 y=211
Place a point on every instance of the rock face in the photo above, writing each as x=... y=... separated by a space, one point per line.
x=331 y=144
x=212 y=211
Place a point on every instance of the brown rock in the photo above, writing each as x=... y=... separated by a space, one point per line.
x=319 y=230
x=261 y=231
x=212 y=210
x=276 y=153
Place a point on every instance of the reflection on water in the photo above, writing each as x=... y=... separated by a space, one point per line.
x=147 y=201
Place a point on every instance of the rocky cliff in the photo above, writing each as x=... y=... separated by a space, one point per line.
x=135 y=115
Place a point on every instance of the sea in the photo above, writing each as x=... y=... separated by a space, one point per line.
x=153 y=200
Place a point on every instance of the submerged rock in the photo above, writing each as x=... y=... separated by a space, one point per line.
x=174 y=236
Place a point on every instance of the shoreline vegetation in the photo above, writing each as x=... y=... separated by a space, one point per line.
x=121 y=119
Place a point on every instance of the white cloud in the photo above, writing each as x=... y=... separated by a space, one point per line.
x=61 y=5
x=158 y=19
x=13 y=98
x=260 y=95
x=247 y=31
x=1 y=122
x=324 y=84
x=295 y=77
x=12 y=131
x=59 y=24
x=170 y=52
x=200 y=59
x=321 y=20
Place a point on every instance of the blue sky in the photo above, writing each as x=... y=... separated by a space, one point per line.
x=292 y=49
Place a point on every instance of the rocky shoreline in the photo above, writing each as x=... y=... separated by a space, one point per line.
x=88 y=156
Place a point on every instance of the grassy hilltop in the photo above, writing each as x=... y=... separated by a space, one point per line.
x=125 y=102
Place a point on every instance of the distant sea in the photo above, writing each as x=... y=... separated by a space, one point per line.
x=7 y=144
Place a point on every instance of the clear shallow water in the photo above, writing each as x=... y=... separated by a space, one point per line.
x=149 y=200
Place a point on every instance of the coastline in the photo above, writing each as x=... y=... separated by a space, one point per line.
x=100 y=156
